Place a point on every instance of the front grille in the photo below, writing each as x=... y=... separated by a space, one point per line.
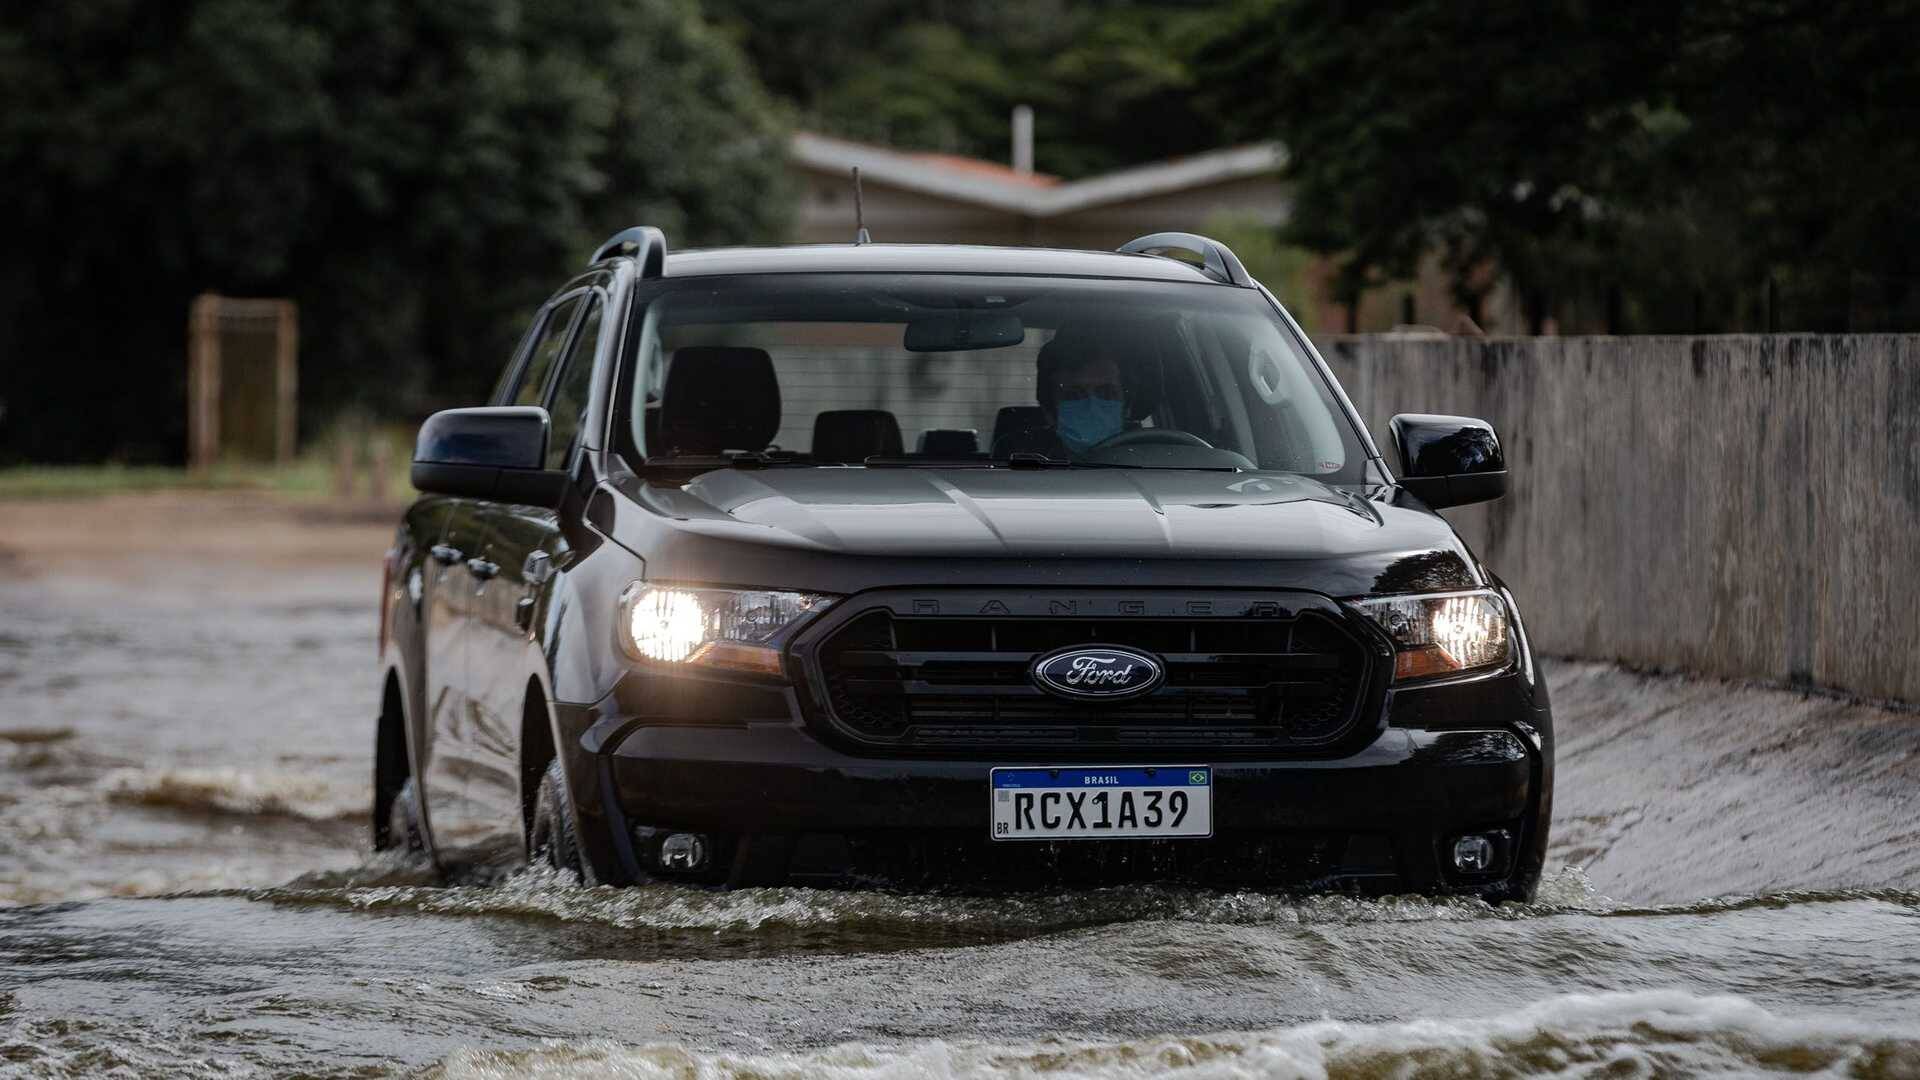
x=962 y=682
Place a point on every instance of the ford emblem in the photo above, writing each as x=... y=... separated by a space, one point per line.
x=1097 y=673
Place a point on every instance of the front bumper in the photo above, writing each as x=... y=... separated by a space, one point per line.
x=781 y=804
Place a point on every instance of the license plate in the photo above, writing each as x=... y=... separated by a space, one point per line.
x=1124 y=801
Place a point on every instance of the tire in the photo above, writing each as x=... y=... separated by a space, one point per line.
x=551 y=840
x=403 y=822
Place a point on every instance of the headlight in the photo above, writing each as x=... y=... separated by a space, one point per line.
x=1442 y=635
x=736 y=629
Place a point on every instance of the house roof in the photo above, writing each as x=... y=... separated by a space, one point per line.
x=986 y=170
x=992 y=185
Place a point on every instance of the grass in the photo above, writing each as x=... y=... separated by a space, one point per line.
x=303 y=478
x=310 y=475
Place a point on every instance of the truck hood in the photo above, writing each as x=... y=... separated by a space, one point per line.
x=1093 y=514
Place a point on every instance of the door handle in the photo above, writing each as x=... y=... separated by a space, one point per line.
x=481 y=568
x=445 y=554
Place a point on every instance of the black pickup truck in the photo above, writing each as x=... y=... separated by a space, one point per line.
x=950 y=567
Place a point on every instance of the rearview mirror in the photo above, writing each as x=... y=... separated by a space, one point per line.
x=1449 y=460
x=959 y=331
x=497 y=454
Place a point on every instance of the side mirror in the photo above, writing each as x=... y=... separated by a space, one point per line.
x=497 y=454
x=1449 y=460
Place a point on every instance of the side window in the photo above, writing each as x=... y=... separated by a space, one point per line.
x=569 y=408
x=553 y=338
x=503 y=386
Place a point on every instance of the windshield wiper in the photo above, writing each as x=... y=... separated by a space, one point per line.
x=1028 y=459
x=751 y=459
x=1019 y=459
x=1033 y=459
x=769 y=459
x=732 y=459
x=888 y=461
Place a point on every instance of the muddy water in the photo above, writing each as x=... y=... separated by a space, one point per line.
x=534 y=976
x=184 y=719
x=184 y=697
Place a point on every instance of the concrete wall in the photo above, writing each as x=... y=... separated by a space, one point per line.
x=1742 y=505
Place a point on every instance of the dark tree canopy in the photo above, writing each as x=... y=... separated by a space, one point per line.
x=1662 y=161
x=1110 y=82
x=415 y=175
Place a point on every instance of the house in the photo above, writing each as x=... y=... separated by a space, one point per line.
x=912 y=197
x=919 y=197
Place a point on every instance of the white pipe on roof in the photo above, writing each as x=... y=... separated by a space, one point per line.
x=1023 y=139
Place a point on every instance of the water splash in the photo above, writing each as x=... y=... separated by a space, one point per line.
x=790 y=917
x=250 y=792
x=1630 y=1034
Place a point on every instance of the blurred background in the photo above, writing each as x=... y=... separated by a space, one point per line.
x=414 y=177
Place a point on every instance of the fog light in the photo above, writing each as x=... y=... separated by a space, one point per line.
x=683 y=851
x=1473 y=854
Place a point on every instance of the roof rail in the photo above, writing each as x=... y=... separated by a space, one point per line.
x=644 y=243
x=1210 y=257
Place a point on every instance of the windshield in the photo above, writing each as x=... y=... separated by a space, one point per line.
x=891 y=370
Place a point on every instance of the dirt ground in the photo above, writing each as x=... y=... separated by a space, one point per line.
x=187 y=688
x=173 y=540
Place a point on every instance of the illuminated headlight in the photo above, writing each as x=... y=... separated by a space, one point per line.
x=737 y=629
x=1435 y=636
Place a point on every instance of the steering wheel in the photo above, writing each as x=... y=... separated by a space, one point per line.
x=1152 y=437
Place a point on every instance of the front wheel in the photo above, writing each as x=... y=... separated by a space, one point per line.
x=551 y=839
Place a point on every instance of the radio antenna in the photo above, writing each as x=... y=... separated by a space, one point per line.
x=859 y=212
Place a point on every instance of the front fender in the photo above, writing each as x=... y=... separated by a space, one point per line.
x=577 y=623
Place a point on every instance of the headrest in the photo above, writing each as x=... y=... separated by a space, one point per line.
x=1014 y=420
x=854 y=435
x=950 y=442
x=1139 y=369
x=719 y=398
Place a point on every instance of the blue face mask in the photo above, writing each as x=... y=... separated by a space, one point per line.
x=1083 y=422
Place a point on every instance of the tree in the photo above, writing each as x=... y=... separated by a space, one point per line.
x=1109 y=82
x=415 y=175
x=1671 y=156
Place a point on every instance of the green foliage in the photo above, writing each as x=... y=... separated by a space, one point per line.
x=1672 y=157
x=315 y=474
x=415 y=175
x=1109 y=82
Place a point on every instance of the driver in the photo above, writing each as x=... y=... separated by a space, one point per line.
x=1082 y=397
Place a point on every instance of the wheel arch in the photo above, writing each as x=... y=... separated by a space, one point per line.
x=392 y=759
x=538 y=747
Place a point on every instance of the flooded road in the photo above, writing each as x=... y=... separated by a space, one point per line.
x=534 y=976
x=185 y=718
x=183 y=693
